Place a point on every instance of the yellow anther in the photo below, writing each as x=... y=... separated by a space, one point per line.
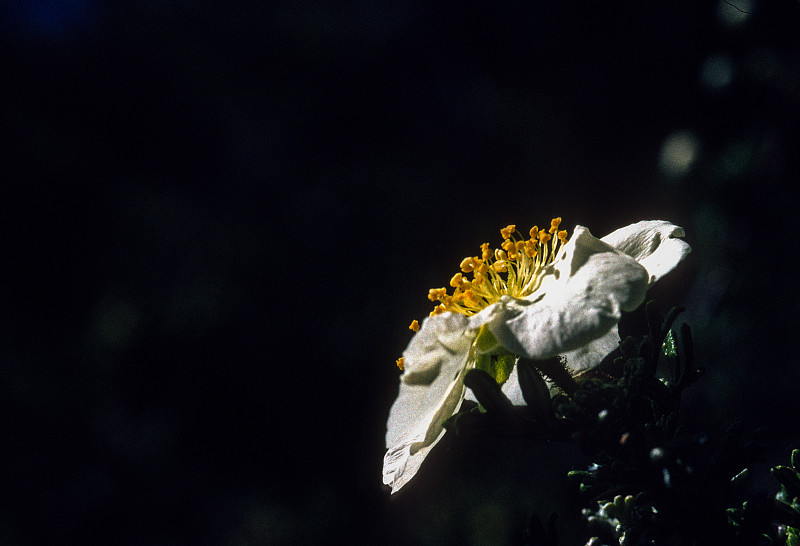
x=486 y=252
x=509 y=246
x=470 y=296
x=458 y=281
x=508 y=230
x=401 y=362
x=435 y=294
x=498 y=272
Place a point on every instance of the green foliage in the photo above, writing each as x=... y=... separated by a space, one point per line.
x=498 y=366
x=777 y=521
x=649 y=482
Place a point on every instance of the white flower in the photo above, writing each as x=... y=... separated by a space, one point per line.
x=535 y=298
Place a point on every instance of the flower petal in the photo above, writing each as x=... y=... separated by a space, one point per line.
x=653 y=243
x=437 y=340
x=583 y=358
x=512 y=390
x=431 y=390
x=591 y=354
x=581 y=301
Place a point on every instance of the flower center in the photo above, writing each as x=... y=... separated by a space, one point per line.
x=514 y=269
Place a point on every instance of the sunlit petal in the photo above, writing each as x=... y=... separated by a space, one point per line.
x=656 y=244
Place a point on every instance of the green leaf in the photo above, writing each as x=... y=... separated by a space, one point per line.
x=536 y=393
x=788 y=478
x=498 y=366
x=554 y=369
x=668 y=347
x=488 y=392
x=486 y=342
x=673 y=313
x=792 y=536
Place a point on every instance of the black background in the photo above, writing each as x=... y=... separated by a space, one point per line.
x=218 y=220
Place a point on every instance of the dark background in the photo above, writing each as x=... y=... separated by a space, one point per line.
x=218 y=220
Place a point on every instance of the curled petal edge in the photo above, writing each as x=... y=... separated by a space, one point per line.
x=656 y=244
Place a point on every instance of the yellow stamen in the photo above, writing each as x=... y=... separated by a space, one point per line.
x=507 y=231
x=401 y=362
x=544 y=237
x=470 y=296
x=436 y=294
x=458 y=281
x=511 y=248
x=515 y=269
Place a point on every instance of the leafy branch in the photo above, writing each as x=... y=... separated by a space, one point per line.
x=649 y=482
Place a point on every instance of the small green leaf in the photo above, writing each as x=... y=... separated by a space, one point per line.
x=488 y=392
x=792 y=536
x=498 y=366
x=673 y=313
x=486 y=342
x=786 y=514
x=554 y=369
x=788 y=478
x=668 y=347
x=536 y=393
x=740 y=477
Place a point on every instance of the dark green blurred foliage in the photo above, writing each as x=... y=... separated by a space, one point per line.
x=649 y=481
x=773 y=520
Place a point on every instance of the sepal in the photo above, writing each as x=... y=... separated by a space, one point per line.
x=536 y=392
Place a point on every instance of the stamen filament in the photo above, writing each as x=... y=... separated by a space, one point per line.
x=515 y=269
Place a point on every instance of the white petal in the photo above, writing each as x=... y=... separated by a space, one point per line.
x=591 y=354
x=581 y=301
x=583 y=358
x=437 y=340
x=512 y=389
x=431 y=390
x=653 y=243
